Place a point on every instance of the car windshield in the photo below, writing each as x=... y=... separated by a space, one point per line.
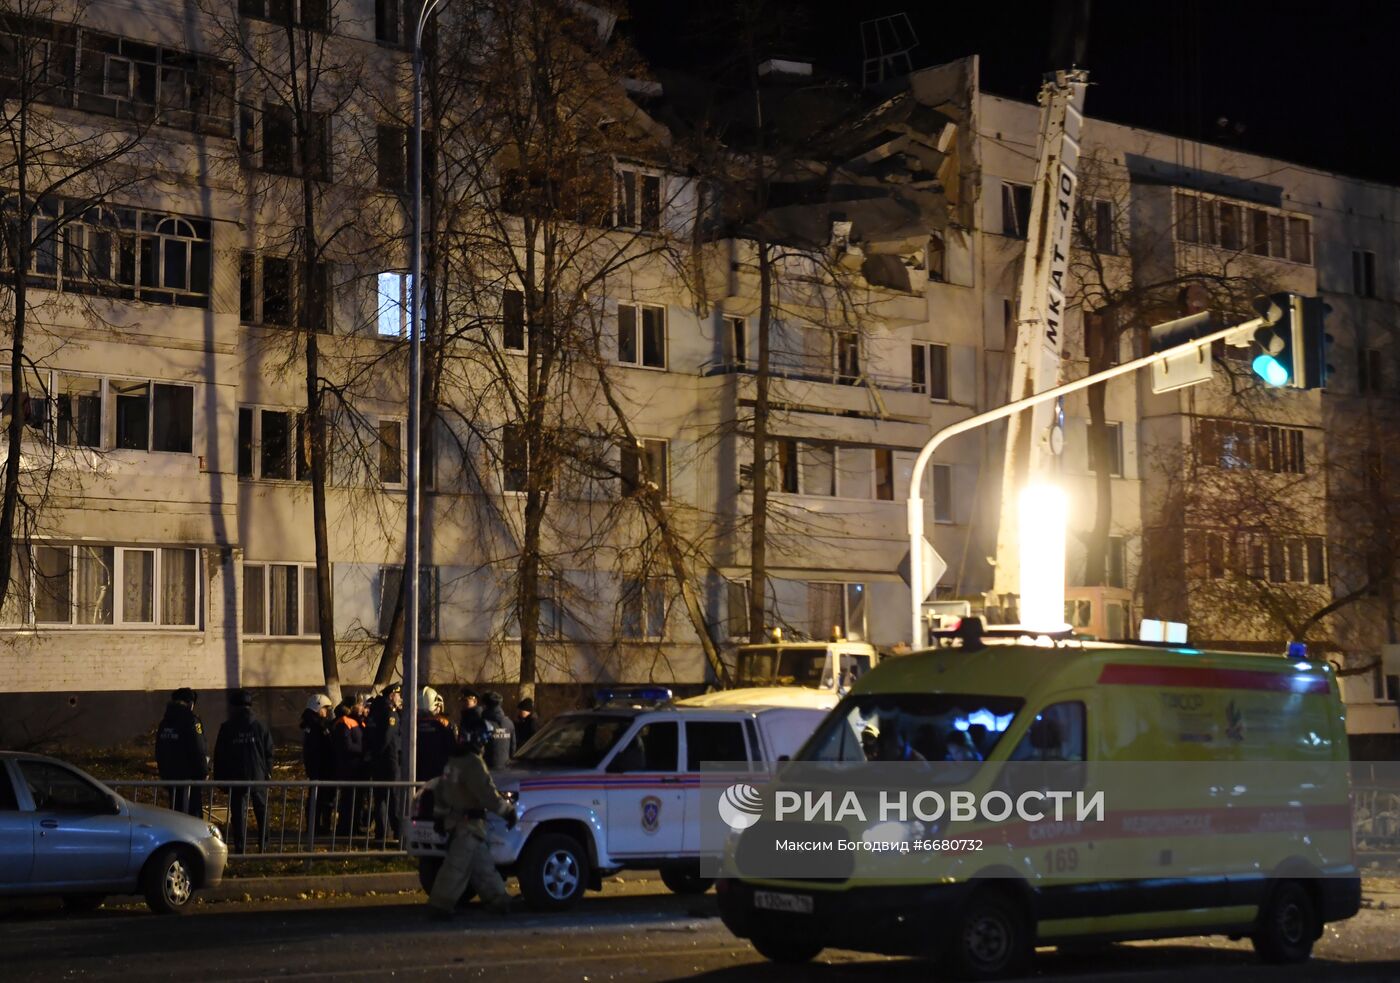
x=576 y=740
x=771 y=665
x=912 y=727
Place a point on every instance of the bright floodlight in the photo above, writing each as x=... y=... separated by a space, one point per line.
x=1268 y=368
x=1042 y=529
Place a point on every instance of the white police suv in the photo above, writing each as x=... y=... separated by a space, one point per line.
x=619 y=787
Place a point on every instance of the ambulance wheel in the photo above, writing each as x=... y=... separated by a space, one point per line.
x=1287 y=925
x=991 y=938
x=428 y=868
x=685 y=879
x=553 y=872
x=788 y=951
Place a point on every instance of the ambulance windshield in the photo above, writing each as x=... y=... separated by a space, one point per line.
x=912 y=727
x=575 y=740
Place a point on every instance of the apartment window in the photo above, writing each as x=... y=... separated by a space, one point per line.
x=280 y=600
x=655 y=453
x=1231 y=226
x=1234 y=225
x=787 y=466
x=152 y=416
x=1370 y=371
x=1117 y=562
x=1106 y=453
x=390 y=452
x=550 y=623
x=513 y=334
x=836 y=608
x=638 y=200
x=641 y=335
x=393 y=155
x=310 y=14
x=393 y=304
x=136 y=80
x=270 y=288
x=79 y=417
x=884 y=474
x=1096 y=224
x=141 y=415
x=736 y=342
x=272 y=445
x=737 y=607
x=818 y=469
x=940 y=481
x=1363 y=273
x=391 y=589
x=388 y=22
x=644 y=608
x=1234 y=444
x=109 y=586
x=121 y=252
x=515 y=458
x=269 y=140
x=1015 y=209
x=929 y=370
x=847 y=358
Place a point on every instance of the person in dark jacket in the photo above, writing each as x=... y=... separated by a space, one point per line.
x=182 y=753
x=317 y=757
x=526 y=723
x=347 y=757
x=384 y=749
x=470 y=711
x=243 y=752
x=502 y=746
x=436 y=739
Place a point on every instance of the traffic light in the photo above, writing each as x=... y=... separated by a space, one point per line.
x=1292 y=341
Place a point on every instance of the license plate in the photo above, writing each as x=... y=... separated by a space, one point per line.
x=800 y=904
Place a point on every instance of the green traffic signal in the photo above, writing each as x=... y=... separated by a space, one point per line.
x=1270 y=369
x=1293 y=341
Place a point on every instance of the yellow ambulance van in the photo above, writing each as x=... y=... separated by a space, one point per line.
x=1221 y=781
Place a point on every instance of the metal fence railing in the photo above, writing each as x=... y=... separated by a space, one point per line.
x=297 y=820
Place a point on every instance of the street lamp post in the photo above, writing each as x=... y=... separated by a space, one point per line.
x=415 y=406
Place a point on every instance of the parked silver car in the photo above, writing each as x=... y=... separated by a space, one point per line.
x=64 y=833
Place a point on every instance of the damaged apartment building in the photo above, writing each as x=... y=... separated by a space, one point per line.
x=168 y=518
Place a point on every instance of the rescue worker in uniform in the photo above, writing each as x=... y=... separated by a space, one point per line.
x=182 y=753
x=462 y=797
x=317 y=757
x=243 y=752
x=436 y=738
x=347 y=757
x=502 y=746
x=526 y=723
x=470 y=710
x=383 y=747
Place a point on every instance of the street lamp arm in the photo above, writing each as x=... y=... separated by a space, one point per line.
x=916 y=505
x=424 y=14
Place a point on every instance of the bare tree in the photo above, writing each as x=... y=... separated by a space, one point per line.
x=60 y=243
x=295 y=79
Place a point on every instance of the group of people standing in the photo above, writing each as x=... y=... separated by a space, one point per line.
x=359 y=740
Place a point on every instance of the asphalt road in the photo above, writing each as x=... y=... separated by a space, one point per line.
x=634 y=931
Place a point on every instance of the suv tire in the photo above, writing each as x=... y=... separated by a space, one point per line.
x=553 y=872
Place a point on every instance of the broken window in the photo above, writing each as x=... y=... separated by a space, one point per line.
x=1015 y=209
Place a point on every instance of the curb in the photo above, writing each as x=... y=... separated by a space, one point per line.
x=240 y=888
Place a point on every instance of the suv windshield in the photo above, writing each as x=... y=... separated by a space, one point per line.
x=912 y=727
x=576 y=740
x=771 y=665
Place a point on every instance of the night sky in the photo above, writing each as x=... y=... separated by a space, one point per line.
x=1312 y=82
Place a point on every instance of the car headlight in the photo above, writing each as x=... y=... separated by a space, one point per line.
x=214 y=831
x=894 y=832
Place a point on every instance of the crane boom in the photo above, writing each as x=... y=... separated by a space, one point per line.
x=1038 y=361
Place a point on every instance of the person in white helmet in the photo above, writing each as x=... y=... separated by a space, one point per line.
x=436 y=738
x=318 y=757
